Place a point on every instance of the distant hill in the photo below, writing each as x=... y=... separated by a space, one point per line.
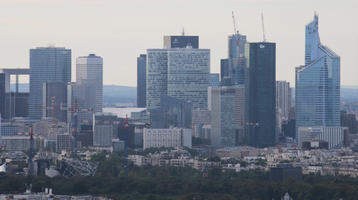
x=113 y=94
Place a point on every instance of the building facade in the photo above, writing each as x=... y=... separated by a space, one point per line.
x=317 y=83
x=173 y=137
x=55 y=100
x=261 y=94
x=47 y=64
x=141 y=80
x=182 y=73
x=233 y=67
x=89 y=71
x=227 y=108
x=333 y=135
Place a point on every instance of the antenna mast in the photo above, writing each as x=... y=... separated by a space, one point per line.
x=263 y=27
x=233 y=20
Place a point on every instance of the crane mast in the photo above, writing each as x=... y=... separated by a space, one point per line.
x=263 y=27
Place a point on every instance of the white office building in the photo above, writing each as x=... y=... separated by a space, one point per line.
x=172 y=137
x=333 y=135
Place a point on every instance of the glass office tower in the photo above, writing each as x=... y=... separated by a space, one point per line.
x=141 y=80
x=261 y=94
x=47 y=64
x=317 y=83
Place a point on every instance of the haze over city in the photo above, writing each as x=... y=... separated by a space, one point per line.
x=119 y=31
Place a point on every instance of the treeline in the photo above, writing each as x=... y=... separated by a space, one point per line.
x=184 y=183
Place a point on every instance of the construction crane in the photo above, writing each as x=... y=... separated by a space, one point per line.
x=263 y=27
x=233 y=20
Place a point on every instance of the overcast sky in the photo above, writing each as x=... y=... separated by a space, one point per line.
x=120 y=30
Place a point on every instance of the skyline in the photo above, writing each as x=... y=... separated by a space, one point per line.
x=121 y=39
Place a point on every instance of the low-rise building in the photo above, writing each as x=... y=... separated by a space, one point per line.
x=172 y=137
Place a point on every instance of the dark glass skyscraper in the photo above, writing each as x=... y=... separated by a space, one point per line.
x=141 y=81
x=261 y=90
x=47 y=64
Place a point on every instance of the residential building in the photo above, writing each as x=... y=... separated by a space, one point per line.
x=104 y=129
x=172 y=112
x=233 y=67
x=181 y=41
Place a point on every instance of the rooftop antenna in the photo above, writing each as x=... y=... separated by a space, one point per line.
x=263 y=27
x=233 y=20
x=183 y=32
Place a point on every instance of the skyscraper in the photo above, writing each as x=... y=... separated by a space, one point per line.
x=182 y=73
x=227 y=106
x=55 y=100
x=317 y=83
x=233 y=67
x=89 y=71
x=47 y=64
x=188 y=75
x=261 y=94
x=141 y=80
x=2 y=94
x=283 y=102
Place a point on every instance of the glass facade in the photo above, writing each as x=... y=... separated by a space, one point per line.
x=188 y=75
x=227 y=106
x=141 y=80
x=233 y=68
x=182 y=73
x=261 y=94
x=317 y=83
x=47 y=64
x=89 y=71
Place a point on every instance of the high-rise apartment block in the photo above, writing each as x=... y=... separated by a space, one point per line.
x=317 y=84
x=47 y=64
x=261 y=93
x=141 y=80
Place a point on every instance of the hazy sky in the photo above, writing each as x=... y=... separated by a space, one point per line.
x=120 y=30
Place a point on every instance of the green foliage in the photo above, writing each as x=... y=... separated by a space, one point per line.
x=167 y=183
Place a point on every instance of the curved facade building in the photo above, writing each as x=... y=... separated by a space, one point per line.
x=317 y=83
